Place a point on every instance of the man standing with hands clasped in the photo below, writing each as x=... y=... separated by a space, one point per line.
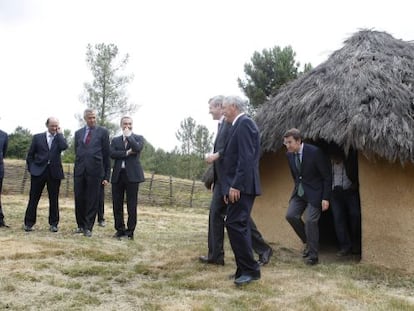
x=311 y=172
x=45 y=166
x=240 y=185
x=91 y=171
x=127 y=173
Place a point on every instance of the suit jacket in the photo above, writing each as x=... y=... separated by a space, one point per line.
x=93 y=158
x=4 y=140
x=133 y=167
x=219 y=144
x=40 y=157
x=316 y=174
x=240 y=159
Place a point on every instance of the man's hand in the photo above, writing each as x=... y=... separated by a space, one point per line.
x=325 y=205
x=126 y=132
x=234 y=195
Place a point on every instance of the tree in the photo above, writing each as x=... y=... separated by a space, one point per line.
x=68 y=156
x=196 y=141
x=186 y=135
x=267 y=72
x=19 y=143
x=107 y=93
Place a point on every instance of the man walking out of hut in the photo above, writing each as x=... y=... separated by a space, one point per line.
x=311 y=173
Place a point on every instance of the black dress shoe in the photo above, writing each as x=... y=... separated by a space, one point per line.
x=245 y=279
x=27 y=228
x=118 y=235
x=3 y=225
x=265 y=257
x=53 y=229
x=87 y=233
x=205 y=259
x=78 y=230
x=305 y=252
x=311 y=261
x=343 y=253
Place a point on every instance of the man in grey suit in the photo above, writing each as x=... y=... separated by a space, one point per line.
x=311 y=172
x=45 y=166
x=4 y=139
x=91 y=170
x=240 y=183
x=127 y=173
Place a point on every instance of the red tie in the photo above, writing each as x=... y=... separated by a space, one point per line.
x=88 y=136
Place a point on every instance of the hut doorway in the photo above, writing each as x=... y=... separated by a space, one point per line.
x=340 y=226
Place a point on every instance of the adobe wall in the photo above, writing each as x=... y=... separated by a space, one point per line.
x=387 y=200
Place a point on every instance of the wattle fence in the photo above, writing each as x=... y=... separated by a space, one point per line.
x=155 y=191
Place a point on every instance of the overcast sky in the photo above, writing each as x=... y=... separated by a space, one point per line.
x=182 y=52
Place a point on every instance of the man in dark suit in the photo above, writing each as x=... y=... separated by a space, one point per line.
x=92 y=169
x=240 y=185
x=45 y=167
x=311 y=173
x=127 y=173
x=217 y=206
x=4 y=139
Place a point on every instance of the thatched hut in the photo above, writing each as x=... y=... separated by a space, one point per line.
x=361 y=98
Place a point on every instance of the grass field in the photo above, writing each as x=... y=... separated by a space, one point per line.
x=159 y=270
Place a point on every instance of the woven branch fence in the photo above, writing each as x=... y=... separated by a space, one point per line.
x=154 y=191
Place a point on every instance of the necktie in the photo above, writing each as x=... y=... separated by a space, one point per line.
x=50 y=140
x=88 y=136
x=125 y=142
x=298 y=164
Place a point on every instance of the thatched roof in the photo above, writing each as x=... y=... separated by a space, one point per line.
x=361 y=97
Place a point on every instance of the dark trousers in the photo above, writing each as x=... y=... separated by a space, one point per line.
x=346 y=211
x=101 y=204
x=218 y=210
x=1 y=210
x=87 y=191
x=239 y=232
x=216 y=225
x=259 y=245
x=307 y=231
x=37 y=185
x=119 y=189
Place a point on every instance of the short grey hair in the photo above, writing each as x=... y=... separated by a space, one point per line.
x=216 y=101
x=240 y=103
x=88 y=111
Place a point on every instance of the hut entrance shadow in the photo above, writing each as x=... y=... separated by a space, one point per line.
x=329 y=243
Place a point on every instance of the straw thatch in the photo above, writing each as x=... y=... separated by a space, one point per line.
x=362 y=97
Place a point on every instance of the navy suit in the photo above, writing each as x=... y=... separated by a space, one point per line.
x=125 y=180
x=4 y=139
x=240 y=162
x=315 y=175
x=45 y=167
x=218 y=208
x=92 y=166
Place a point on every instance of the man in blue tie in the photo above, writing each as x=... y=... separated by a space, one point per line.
x=311 y=172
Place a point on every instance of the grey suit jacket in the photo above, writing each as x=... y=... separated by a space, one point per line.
x=39 y=156
x=93 y=158
x=133 y=167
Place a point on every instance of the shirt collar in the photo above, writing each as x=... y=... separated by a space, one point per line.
x=237 y=117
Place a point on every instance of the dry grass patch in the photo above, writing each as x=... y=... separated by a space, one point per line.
x=159 y=270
